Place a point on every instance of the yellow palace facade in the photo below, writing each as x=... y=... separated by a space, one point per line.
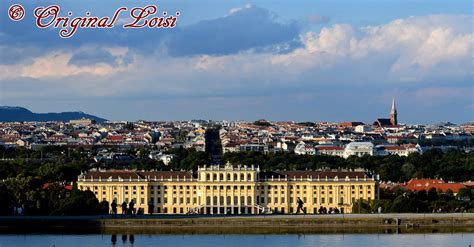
x=230 y=189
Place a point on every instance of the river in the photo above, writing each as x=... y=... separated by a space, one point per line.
x=294 y=240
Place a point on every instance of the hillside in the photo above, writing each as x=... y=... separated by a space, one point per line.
x=16 y=114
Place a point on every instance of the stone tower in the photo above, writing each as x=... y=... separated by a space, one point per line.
x=393 y=113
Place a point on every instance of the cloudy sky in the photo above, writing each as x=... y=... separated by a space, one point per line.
x=279 y=60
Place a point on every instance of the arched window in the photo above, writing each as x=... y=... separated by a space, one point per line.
x=208 y=200
x=235 y=177
x=221 y=177
x=249 y=177
x=215 y=200
x=228 y=200
x=208 y=177
x=242 y=177
x=214 y=177
x=228 y=177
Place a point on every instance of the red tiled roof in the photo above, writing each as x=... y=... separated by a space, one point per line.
x=115 y=138
x=438 y=184
x=469 y=183
x=66 y=187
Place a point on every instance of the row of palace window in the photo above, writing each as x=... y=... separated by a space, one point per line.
x=174 y=187
x=268 y=187
x=244 y=210
x=228 y=177
x=174 y=200
x=228 y=201
x=269 y=200
x=242 y=187
x=322 y=187
x=315 y=200
x=181 y=187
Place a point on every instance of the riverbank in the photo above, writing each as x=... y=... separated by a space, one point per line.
x=261 y=224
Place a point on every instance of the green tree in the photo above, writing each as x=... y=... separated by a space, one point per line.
x=361 y=206
x=403 y=204
x=79 y=203
x=464 y=193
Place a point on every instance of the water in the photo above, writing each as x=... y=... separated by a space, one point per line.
x=346 y=240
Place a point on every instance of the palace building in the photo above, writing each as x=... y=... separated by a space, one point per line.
x=231 y=189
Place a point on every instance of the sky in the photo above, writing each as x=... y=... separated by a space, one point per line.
x=247 y=60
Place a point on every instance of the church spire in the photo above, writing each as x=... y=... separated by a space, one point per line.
x=394 y=109
x=393 y=113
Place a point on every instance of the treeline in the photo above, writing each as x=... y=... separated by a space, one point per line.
x=37 y=188
x=403 y=201
x=30 y=185
x=39 y=182
x=188 y=159
x=453 y=165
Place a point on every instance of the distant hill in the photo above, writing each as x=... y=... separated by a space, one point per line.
x=17 y=114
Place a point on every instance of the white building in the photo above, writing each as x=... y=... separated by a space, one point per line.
x=303 y=148
x=166 y=158
x=362 y=129
x=403 y=150
x=359 y=149
x=330 y=150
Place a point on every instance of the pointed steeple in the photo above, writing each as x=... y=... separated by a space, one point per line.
x=393 y=113
x=394 y=109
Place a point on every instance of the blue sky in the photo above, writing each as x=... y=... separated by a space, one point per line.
x=279 y=60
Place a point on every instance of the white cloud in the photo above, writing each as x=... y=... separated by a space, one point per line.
x=335 y=40
x=418 y=48
x=426 y=48
x=57 y=65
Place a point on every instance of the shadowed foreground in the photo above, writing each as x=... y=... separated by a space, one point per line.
x=261 y=224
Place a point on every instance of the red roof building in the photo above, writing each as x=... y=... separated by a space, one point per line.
x=438 y=184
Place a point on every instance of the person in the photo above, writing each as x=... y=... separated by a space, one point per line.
x=124 y=208
x=321 y=210
x=300 y=206
x=131 y=207
x=151 y=206
x=113 y=205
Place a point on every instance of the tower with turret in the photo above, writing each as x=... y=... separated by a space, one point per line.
x=393 y=114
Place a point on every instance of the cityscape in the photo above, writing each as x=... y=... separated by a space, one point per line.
x=211 y=167
x=236 y=123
